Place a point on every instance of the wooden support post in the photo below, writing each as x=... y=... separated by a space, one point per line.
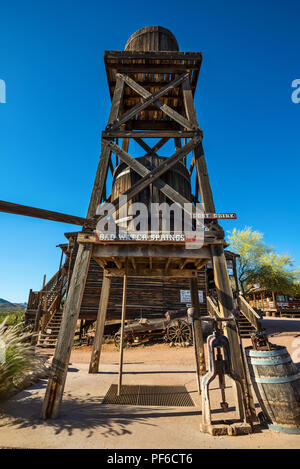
x=122 y=330
x=58 y=372
x=199 y=343
x=199 y=159
x=96 y=352
x=226 y=304
x=100 y=179
x=36 y=329
x=221 y=276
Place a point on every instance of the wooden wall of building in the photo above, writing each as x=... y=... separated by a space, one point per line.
x=145 y=296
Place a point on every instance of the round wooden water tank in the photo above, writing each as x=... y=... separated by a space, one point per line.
x=276 y=381
x=177 y=177
x=152 y=38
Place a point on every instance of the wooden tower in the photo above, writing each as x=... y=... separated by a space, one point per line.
x=152 y=86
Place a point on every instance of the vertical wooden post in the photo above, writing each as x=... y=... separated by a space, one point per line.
x=226 y=304
x=199 y=343
x=122 y=329
x=36 y=329
x=103 y=303
x=221 y=276
x=237 y=287
x=100 y=179
x=274 y=300
x=59 y=367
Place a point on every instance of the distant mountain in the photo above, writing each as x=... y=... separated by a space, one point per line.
x=4 y=304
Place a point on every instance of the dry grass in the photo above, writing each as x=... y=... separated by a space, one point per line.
x=18 y=361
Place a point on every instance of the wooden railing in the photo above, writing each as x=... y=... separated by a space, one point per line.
x=250 y=314
x=212 y=308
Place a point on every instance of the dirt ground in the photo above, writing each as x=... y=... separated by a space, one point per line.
x=280 y=331
x=86 y=422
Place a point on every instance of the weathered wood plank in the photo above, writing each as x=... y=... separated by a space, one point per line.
x=59 y=367
x=101 y=316
x=163 y=107
x=124 y=298
x=154 y=272
x=141 y=106
x=155 y=174
x=100 y=179
x=150 y=134
x=199 y=342
x=150 y=250
x=25 y=210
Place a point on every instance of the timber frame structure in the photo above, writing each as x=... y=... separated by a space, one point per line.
x=152 y=98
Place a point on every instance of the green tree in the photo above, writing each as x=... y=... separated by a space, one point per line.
x=259 y=264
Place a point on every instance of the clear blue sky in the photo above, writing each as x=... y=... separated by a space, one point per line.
x=51 y=58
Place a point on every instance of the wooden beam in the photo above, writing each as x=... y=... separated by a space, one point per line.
x=151 y=98
x=183 y=263
x=153 y=68
x=17 y=209
x=100 y=179
x=117 y=262
x=124 y=298
x=149 y=134
x=59 y=367
x=199 y=342
x=163 y=107
x=142 y=271
x=103 y=251
x=148 y=149
x=140 y=169
x=132 y=259
x=151 y=55
x=96 y=351
x=102 y=263
x=151 y=177
x=168 y=264
x=199 y=159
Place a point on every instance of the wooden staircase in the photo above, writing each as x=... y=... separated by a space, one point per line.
x=246 y=328
x=248 y=319
x=48 y=337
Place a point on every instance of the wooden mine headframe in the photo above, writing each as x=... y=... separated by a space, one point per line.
x=152 y=88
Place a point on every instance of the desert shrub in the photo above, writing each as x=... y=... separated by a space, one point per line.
x=17 y=358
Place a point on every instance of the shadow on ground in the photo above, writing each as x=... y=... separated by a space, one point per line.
x=81 y=413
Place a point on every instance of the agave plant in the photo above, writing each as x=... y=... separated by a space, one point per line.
x=17 y=358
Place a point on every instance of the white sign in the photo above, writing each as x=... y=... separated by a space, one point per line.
x=185 y=296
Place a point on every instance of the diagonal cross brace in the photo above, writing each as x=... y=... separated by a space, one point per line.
x=152 y=99
x=153 y=177
x=151 y=151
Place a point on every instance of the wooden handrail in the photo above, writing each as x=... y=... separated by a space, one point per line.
x=249 y=313
x=212 y=308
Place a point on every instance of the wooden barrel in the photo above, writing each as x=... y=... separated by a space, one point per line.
x=178 y=178
x=276 y=381
x=152 y=38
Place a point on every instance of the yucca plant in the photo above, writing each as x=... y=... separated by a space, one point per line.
x=17 y=358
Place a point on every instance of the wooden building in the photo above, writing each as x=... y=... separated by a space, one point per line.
x=272 y=303
x=151 y=297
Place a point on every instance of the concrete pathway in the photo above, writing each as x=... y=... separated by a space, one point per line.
x=85 y=422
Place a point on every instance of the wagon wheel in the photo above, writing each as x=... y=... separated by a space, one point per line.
x=117 y=339
x=179 y=332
